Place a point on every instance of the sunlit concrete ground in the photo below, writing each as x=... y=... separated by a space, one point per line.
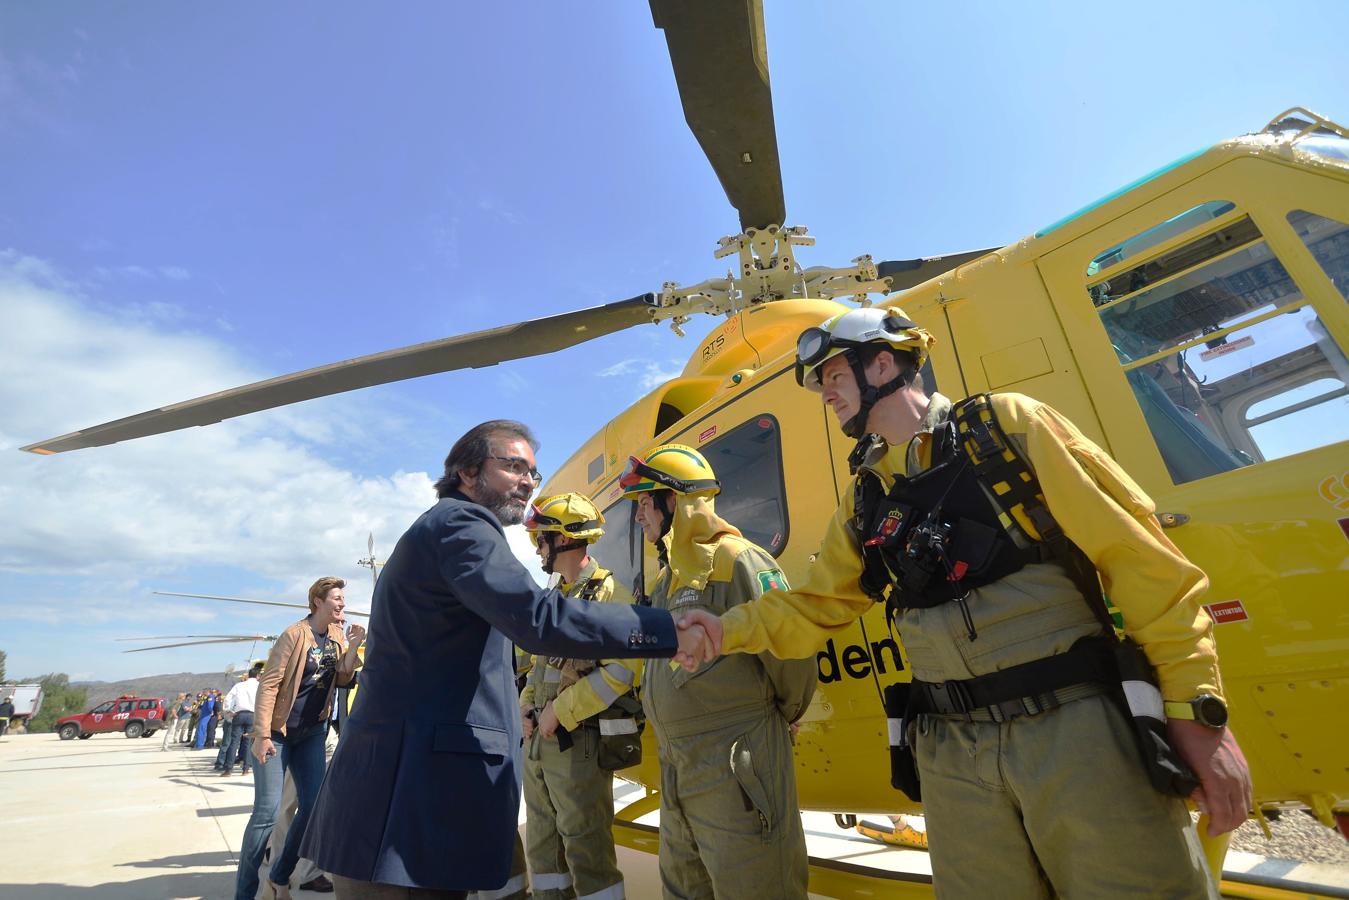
x=118 y=819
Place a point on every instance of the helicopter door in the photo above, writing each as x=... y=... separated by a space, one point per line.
x=1210 y=326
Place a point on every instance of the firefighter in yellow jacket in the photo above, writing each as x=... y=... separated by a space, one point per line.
x=729 y=823
x=566 y=705
x=1027 y=758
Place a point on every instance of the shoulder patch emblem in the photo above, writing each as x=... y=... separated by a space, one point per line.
x=772 y=580
x=685 y=597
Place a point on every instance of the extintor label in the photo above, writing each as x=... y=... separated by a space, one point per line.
x=1227 y=611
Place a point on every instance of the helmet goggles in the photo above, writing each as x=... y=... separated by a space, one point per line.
x=814 y=347
x=639 y=477
x=537 y=520
x=817 y=345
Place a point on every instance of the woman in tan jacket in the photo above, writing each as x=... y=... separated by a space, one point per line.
x=290 y=728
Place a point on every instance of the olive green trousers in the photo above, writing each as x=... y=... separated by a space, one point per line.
x=730 y=828
x=1056 y=804
x=569 y=809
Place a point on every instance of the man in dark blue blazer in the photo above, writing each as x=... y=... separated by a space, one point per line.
x=424 y=789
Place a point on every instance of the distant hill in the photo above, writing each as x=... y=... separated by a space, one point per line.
x=166 y=686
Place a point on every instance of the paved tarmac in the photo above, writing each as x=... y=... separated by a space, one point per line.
x=110 y=818
x=118 y=819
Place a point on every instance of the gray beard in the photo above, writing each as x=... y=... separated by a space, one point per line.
x=498 y=503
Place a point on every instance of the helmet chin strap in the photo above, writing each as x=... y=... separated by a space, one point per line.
x=856 y=426
x=552 y=550
x=666 y=522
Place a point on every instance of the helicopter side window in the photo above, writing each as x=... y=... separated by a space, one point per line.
x=1328 y=241
x=1227 y=360
x=748 y=463
x=619 y=550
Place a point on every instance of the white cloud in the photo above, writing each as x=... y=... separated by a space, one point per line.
x=646 y=374
x=112 y=273
x=252 y=495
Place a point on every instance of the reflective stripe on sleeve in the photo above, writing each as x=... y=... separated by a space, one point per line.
x=618 y=726
x=601 y=687
x=620 y=673
x=551 y=675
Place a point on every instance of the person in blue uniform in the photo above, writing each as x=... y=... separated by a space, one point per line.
x=423 y=793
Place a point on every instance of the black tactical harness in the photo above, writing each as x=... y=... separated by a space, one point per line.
x=591 y=589
x=961 y=523
x=975 y=516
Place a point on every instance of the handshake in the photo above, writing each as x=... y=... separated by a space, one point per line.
x=699 y=634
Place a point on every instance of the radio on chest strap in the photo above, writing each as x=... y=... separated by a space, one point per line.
x=974 y=516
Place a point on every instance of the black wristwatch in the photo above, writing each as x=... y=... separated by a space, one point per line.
x=1205 y=709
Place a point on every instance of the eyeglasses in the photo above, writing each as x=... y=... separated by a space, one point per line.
x=519 y=467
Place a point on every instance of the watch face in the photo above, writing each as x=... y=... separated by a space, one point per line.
x=1211 y=711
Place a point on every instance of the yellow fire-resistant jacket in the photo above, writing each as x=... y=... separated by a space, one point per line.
x=606 y=681
x=682 y=705
x=1098 y=506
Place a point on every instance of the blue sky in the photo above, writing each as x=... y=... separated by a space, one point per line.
x=195 y=198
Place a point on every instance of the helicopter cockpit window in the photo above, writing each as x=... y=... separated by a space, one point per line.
x=1218 y=344
x=753 y=498
x=619 y=549
x=1328 y=241
x=1173 y=226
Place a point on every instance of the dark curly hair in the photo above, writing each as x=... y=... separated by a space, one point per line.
x=472 y=450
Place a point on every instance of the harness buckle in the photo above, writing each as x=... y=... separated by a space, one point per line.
x=949 y=698
x=986 y=446
x=1030 y=705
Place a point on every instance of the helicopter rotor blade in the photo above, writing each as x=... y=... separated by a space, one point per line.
x=474 y=350
x=720 y=61
x=350 y=612
x=905 y=273
x=175 y=637
x=232 y=640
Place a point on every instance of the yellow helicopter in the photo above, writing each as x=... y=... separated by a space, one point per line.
x=1194 y=323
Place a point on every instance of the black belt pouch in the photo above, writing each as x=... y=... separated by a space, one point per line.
x=1168 y=773
x=903 y=769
